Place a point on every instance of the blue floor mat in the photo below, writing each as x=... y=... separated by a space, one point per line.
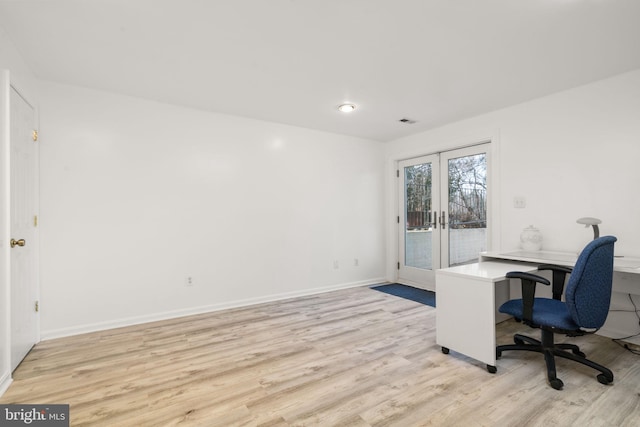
x=409 y=292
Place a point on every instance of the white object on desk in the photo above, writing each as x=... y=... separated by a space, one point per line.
x=467 y=301
x=531 y=239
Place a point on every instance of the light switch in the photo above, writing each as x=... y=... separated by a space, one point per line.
x=519 y=202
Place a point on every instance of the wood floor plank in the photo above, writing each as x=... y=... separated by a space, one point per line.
x=354 y=357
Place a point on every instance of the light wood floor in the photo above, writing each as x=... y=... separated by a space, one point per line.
x=356 y=357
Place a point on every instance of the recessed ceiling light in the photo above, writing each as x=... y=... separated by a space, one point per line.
x=346 y=108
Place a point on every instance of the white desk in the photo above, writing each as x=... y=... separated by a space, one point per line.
x=620 y=264
x=468 y=297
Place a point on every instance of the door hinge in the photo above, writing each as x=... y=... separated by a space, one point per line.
x=398 y=219
x=398 y=265
x=34 y=135
x=37 y=307
x=35 y=220
x=397 y=173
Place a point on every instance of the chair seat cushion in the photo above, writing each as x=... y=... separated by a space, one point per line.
x=546 y=312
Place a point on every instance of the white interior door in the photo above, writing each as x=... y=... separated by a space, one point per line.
x=442 y=212
x=23 y=219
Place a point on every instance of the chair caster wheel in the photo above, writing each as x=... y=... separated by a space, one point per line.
x=445 y=350
x=492 y=369
x=556 y=383
x=603 y=379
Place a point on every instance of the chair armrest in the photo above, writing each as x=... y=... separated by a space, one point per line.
x=559 y=274
x=528 y=283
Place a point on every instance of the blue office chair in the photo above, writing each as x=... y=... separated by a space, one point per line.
x=584 y=310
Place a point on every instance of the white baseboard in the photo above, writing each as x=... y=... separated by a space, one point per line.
x=5 y=382
x=130 y=321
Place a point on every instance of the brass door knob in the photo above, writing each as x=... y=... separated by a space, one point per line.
x=15 y=243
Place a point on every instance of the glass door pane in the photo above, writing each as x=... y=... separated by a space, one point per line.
x=418 y=215
x=466 y=205
x=419 y=255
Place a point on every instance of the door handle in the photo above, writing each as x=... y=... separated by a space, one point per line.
x=20 y=242
x=442 y=220
x=434 y=223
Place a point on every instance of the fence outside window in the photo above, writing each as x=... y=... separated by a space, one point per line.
x=467 y=209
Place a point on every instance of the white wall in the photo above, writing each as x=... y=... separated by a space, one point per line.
x=570 y=155
x=13 y=71
x=136 y=196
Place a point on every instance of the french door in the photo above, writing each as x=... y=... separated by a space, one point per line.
x=443 y=212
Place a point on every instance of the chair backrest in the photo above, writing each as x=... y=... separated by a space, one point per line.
x=588 y=292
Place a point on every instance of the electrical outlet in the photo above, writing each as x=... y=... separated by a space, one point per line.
x=336 y=265
x=189 y=281
x=519 y=202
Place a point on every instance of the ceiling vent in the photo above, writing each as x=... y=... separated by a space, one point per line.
x=407 y=121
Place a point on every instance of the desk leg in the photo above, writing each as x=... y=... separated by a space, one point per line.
x=465 y=317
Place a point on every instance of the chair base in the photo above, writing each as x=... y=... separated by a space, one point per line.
x=550 y=350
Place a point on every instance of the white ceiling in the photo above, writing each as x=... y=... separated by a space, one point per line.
x=295 y=61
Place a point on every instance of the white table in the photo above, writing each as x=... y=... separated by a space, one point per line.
x=467 y=301
x=622 y=264
x=468 y=297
